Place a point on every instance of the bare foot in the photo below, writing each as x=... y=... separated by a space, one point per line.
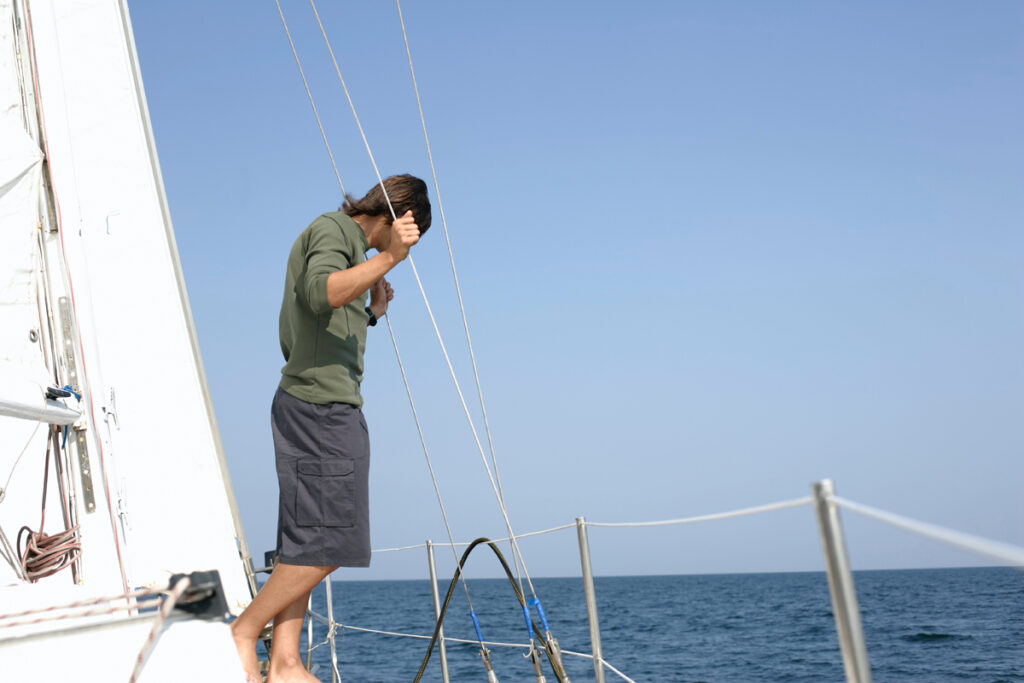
x=247 y=654
x=291 y=671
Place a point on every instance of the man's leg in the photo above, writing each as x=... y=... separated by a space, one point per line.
x=289 y=585
x=285 y=659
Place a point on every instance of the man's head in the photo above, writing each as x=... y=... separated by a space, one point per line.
x=406 y=192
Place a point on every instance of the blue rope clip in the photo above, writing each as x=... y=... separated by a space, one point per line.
x=78 y=397
x=540 y=612
x=529 y=621
x=476 y=625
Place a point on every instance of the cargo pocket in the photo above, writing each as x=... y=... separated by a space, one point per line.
x=324 y=495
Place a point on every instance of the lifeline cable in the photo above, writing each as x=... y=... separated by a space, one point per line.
x=1004 y=552
x=342 y=628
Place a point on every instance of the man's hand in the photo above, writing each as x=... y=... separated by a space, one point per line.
x=404 y=234
x=380 y=294
x=343 y=286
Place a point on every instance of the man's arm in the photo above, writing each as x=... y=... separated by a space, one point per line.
x=344 y=286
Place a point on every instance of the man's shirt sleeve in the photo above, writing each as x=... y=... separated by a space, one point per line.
x=327 y=252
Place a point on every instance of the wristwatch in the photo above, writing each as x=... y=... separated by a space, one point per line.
x=373 y=319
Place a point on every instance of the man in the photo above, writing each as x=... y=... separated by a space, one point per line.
x=320 y=436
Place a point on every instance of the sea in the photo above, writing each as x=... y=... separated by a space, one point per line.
x=922 y=625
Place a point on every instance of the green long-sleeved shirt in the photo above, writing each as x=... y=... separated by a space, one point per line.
x=323 y=346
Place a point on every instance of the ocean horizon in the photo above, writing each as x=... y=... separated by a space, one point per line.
x=946 y=624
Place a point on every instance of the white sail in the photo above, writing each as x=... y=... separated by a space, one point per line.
x=163 y=502
x=23 y=372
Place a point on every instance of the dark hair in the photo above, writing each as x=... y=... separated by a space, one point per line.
x=406 y=192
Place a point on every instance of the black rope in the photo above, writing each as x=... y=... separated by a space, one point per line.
x=559 y=675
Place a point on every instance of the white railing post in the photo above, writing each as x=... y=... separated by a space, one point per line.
x=591 y=596
x=335 y=674
x=309 y=632
x=437 y=611
x=840 y=585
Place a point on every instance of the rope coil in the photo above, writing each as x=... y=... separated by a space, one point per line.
x=46 y=554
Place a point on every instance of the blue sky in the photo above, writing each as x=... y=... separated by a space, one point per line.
x=710 y=252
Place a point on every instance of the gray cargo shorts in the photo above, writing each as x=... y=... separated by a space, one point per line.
x=323 y=468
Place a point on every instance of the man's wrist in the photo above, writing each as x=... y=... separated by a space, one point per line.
x=387 y=259
x=372 y=317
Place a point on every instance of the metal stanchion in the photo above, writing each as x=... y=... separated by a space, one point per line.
x=588 y=590
x=309 y=632
x=437 y=611
x=840 y=586
x=335 y=676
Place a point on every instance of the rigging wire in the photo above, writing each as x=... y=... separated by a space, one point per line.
x=495 y=482
x=423 y=443
x=458 y=288
x=419 y=283
x=551 y=644
x=309 y=95
x=394 y=342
